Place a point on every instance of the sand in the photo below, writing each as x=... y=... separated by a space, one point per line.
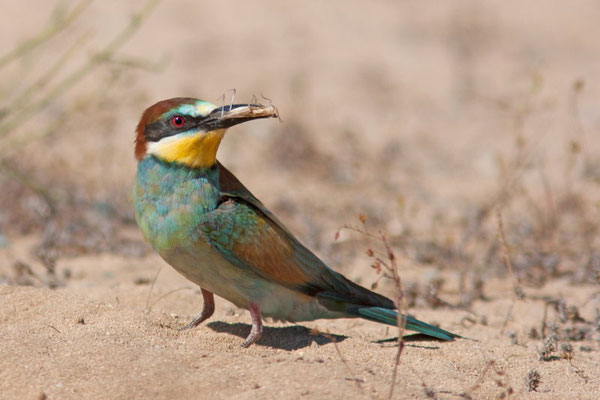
x=104 y=336
x=410 y=112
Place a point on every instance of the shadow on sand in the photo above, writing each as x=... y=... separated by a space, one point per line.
x=284 y=338
x=297 y=337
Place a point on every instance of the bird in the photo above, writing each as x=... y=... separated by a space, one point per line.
x=208 y=226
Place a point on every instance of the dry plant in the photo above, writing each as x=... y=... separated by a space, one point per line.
x=561 y=210
x=545 y=224
x=42 y=92
x=547 y=231
x=31 y=200
x=385 y=264
x=533 y=380
x=492 y=371
x=533 y=228
x=517 y=290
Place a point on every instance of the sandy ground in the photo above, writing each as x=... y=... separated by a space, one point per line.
x=408 y=112
x=104 y=336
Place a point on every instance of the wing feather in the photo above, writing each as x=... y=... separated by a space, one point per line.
x=245 y=232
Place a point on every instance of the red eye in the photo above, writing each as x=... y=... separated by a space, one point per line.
x=177 y=121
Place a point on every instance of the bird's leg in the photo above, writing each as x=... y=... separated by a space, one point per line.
x=257 y=328
x=207 y=310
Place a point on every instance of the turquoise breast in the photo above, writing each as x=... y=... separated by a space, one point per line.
x=170 y=200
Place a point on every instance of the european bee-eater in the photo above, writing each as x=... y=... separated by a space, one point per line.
x=210 y=228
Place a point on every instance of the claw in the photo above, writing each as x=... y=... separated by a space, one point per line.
x=207 y=310
x=257 y=327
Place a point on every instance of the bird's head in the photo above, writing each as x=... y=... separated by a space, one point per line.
x=188 y=131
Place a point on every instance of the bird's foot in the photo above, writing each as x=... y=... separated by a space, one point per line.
x=257 y=327
x=207 y=310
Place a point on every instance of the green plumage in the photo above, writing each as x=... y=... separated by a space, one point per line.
x=171 y=201
x=210 y=228
x=197 y=226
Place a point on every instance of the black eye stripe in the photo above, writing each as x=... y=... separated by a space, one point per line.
x=163 y=128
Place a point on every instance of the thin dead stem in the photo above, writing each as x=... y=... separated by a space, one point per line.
x=29 y=110
x=356 y=380
x=505 y=254
x=36 y=87
x=386 y=266
x=152 y=287
x=170 y=292
x=53 y=29
x=517 y=291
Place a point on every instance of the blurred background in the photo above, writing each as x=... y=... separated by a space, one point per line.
x=447 y=124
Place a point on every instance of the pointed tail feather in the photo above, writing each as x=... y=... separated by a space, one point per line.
x=338 y=303
x=387 y=316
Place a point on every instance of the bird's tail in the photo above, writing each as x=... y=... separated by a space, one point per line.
x=341 y=304
x=390 y=317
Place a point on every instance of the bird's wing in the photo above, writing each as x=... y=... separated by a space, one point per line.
x=248 y=235
x=230 y=186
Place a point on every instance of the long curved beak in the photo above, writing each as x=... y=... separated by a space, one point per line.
x=230 y=115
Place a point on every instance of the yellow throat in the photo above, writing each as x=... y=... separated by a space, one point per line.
x=195 y=150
